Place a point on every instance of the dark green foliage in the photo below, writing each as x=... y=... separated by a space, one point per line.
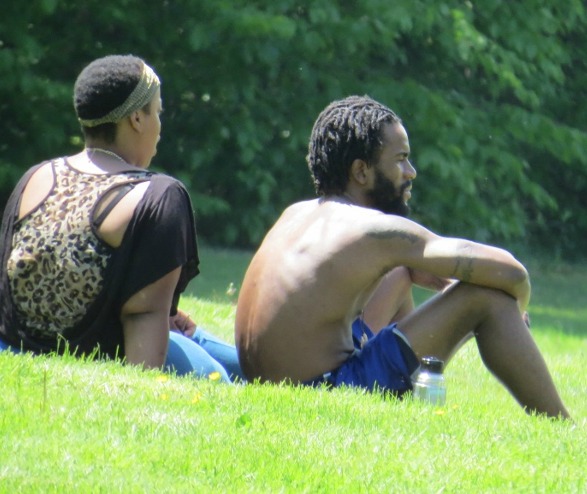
x=491 y=94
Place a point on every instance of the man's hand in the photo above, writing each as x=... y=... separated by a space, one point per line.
x=182 y=323
x=428 y=280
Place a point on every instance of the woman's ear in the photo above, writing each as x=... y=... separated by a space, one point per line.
x=135 y=120
x=360 y=171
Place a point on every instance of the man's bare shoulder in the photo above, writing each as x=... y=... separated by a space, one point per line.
x=355 y=221
x=372 y=224
x=380 y=226
x=299 y=207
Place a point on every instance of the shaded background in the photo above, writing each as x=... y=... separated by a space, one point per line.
x=492 y=96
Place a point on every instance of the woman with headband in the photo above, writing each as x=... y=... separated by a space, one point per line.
x=95 y=250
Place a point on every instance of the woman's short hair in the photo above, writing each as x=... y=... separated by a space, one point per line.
x=109 y=89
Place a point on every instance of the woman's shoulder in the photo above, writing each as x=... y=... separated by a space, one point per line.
x=163 y=184
x=165 y=179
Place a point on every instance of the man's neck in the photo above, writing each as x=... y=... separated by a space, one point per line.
x=354 y=198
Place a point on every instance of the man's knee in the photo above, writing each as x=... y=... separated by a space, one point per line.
x=486 y=298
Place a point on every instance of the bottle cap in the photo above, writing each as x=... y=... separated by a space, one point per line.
x=432 y=364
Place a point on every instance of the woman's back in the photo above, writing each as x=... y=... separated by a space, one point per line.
x=57 y=261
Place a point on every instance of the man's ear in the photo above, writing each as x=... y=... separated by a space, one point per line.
x=359 y=171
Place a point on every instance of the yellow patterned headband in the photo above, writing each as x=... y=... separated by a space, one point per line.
x=140 y=96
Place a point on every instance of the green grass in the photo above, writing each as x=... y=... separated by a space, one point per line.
x=220 y=270
x=79 y=426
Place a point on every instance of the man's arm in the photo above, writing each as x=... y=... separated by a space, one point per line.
x=429 y=281
x=402 y=242
x=481 y=264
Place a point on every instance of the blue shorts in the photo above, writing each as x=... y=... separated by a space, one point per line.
x=385 y=362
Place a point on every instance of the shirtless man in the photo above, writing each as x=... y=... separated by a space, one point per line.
x=327 y=297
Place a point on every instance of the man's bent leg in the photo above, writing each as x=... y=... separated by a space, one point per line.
x=391 y=301
x=505 y=344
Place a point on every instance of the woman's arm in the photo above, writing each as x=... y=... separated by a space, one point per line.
x=145 y=322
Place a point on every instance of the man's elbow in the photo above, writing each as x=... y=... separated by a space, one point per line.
x=520 y=274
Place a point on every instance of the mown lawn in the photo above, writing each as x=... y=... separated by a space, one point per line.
x=77 y=426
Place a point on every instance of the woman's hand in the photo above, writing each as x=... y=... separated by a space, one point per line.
x=182 y=323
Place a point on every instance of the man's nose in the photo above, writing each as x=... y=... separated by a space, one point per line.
x=410 y=171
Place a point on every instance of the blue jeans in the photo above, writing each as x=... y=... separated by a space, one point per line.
x=4 y=346
x=201 y=356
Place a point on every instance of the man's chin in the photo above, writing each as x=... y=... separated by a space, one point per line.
x=404 y=212
x=397 y=208
x=396 y=205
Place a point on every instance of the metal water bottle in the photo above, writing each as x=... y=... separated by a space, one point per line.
x=429 y=385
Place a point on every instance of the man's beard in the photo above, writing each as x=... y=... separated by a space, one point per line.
x=385 y=196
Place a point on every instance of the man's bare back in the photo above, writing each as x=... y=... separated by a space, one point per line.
x=288 y=312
